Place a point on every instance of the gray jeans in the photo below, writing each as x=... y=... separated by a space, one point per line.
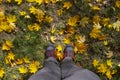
x=66 y=71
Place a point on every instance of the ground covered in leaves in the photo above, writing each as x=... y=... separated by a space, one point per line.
x=91 y=26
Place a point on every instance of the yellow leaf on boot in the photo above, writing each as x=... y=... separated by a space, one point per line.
x=59 y=55
x=59 y=48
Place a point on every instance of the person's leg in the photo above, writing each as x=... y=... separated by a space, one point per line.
x=68 y=67
x=51 y=69
x=72 y=72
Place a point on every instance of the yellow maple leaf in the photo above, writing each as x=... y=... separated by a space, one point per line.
x=105 y=21
x=39 y=1
x=95 y=33
x=80 y=38
x=72 y=21
x=22 y=70
x=36 y=27
x=59 y=12
x=8 y=27
x=48 y=19
x=116 y=25
x=96 y=19
x=81 y=47
x=102 y=68
x=39 y=14
x=67 y=5
x=53 y=30
x=105 y=42
x=95 y=63
x=11 y=56
x=61 y=32
x=33 y=67
x=117 y=3
x=2 y=72
x=11 y=18
x=59 y=48
x=37 y=63
x=66 y=40
x=7 y=45
x=59 y=55
x=108 y=73
x=96 y=7
x=97 y=26
x=26 y=59
x=30 y=27
x=32 y=9
x=109 y=63
x=22 y=13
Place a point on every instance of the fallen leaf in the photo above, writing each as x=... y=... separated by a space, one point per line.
x=53 y=39
x=109 y=54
